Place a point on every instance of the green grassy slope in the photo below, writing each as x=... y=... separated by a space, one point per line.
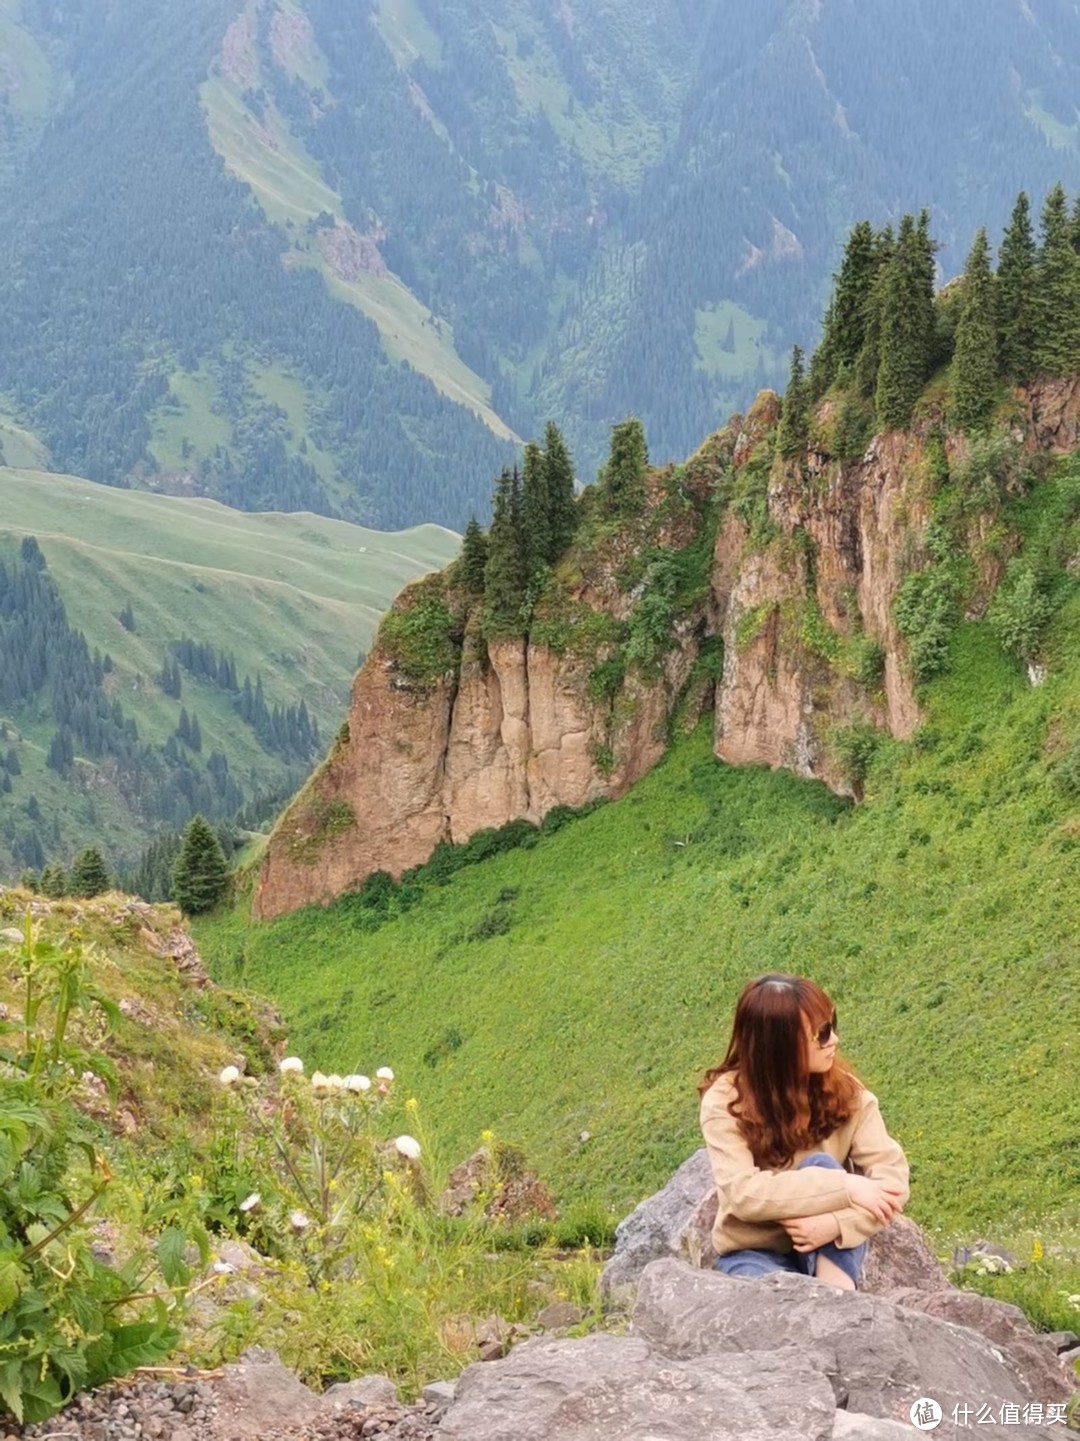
x=940 y=914
x=293 y=597
x=287 y=183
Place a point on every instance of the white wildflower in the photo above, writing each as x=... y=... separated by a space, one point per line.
x=223 y=1268
x=384 y=1073
x=250 y=1202
x=320 y=1084
x=334 y=1083
x=409 y=1147
x=291 y=1065
x=229 y=1076
x=357 y=1083
x=299 y=1220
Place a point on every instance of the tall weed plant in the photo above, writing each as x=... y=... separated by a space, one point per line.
x=67 y=1319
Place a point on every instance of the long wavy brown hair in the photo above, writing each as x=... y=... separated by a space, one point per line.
x=780 y=1105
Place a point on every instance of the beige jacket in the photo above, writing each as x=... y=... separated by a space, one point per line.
x=752 y=1200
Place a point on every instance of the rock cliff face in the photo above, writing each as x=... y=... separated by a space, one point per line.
x=807 y=558
x=845 y=543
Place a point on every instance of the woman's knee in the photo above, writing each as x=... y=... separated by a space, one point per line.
x=820 y=1158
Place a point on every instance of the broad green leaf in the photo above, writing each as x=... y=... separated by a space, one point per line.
x=12 y=1279
x=170 y=1255
x=42 y=1397
x=11 y=1388
x=140 y=1344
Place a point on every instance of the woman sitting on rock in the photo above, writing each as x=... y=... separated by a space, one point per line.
x=784 y=1121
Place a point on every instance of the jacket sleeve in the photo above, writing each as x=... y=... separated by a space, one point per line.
x=756 y=1195
x=874 y=1153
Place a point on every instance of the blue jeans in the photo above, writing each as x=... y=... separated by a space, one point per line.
x=753 y=1262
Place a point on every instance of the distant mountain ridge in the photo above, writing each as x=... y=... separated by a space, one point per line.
x=299 y=255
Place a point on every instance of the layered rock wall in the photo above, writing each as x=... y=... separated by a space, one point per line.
x=845 y=543
x=511 y=736
x=518 y=727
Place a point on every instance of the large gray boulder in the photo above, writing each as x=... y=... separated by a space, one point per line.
x=899 y=1256
x=617 y=1388
x=878 y=1356
x=678 y=1221
x=1031 y=1355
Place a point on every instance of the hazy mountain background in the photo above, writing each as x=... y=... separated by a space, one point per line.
x=301 y=254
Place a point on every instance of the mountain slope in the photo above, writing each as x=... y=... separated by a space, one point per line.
x=244 y=218
x=291 y=598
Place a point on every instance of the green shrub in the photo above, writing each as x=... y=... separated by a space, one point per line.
x=607 y=677
x=604 y=758
x=854 y=747
x=927 y=610
x=752 y=622
x=1019 y=611
x=988 y=467
x=749 y=498
x=422 y=640
x=865 y=660
x=495 y=922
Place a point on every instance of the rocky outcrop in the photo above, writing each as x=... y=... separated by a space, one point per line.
x=510 y=734
x=716 y=1357
x=806 y=568
x=1051 y=410
x=844 y=545
x=622 y=1388
x=677 y=1222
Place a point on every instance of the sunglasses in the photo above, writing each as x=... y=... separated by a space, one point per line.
x=822 y=1034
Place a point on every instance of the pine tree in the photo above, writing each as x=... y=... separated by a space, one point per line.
x=845 y=320
x=473 y=559
x=907 y=323
x=535 y=509
x=974 y=364
x=1016 y=300
x=53 y=882
x=200 y=874
x=562 y=507
x=31 y=553
x=1057 y=346
x=89 y=874
x=506 y=575
x=11 y=762
x=868 y=359
x=621 y=482
x=794 y=431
